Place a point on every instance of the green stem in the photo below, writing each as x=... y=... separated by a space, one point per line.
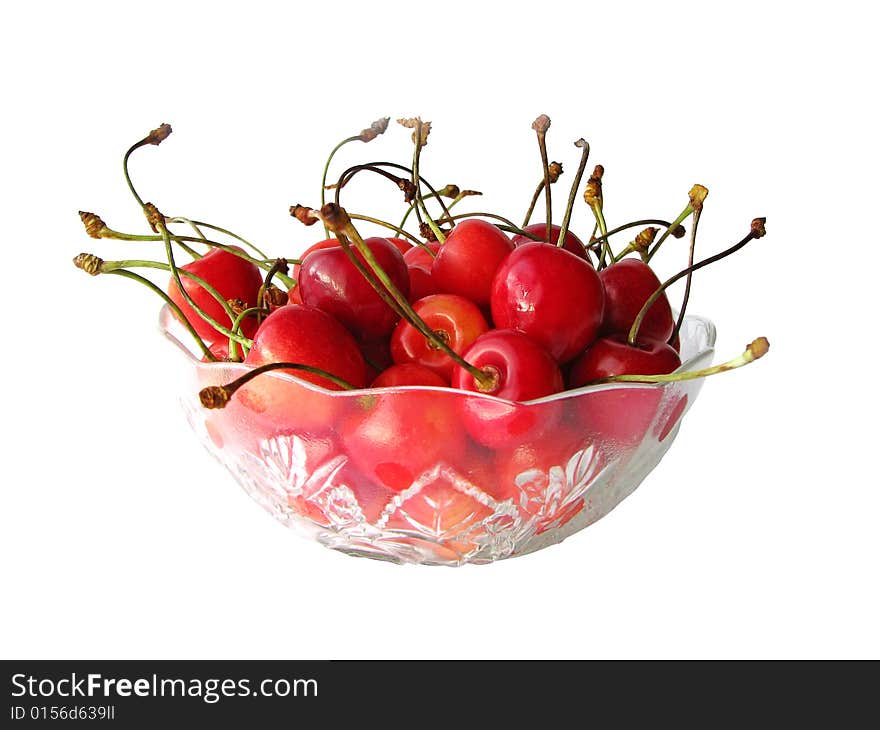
x=247 y=243
x=261 y=263
x=391 y=227
x=410 y=315
x=672 y=226
x=755 y=350
x=327 y=169
x=175 y=273
x=603 y=229
x=173 y=306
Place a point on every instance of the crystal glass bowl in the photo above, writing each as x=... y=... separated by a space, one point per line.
x=433 y=475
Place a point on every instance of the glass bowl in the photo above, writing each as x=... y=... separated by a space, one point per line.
x=434 y=475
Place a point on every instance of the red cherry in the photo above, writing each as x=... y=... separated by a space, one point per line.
x=522 y=371
x=294 y=294
x=612 y=355
x=394 y=437
x=409 y=373
x=401 y=244
x=572 y=243
x=455 y=319
x=377 y=355
x=232 y=276
x=420 y=262
x=330 y=282
x=524 y=470
x=302 y=334
x=628 y=285
x=468 y=260
x=550 y=295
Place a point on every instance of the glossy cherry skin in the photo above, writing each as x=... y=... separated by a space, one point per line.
x=419 y=262
x=230 y=275
x=466 y=263
x=572 y=243
x=612 y=355
x=394 y=437
x=523 y=371
x=628 y=284
x=301 y=334
x=550 y=295
x=409 y=373
x=621 y=415
x=455 y=319
x=401 y=244
x=294 y=294
x=330 y=282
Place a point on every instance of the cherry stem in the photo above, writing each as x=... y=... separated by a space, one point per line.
x=419 y=137
x=374 y=130
x=111 y=267
x=757 y=231
x=541 y=125
x=264 y=264
x=206 y=352
x=511 y=226
x=236 y=327
x=672 y=226
x=201 y=224
x=346 y=176
x=687 y=285
x=603 y=229
x=327 y=169
x=175 y=273
x=569 y=207
x=626 y=226
x=456 y=199
x=217 y=396
x=340 y=223
x=391 y=227
x=280 y=267
x=754 y=351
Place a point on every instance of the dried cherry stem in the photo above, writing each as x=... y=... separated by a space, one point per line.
x=366 y=135
x=754 y=351
x=575 y=184
x=633 y=224
x=155 y=137
x=421 y=130
x=217 y=396
x=555 y=169
x=341 y=225
x=541 y=125
x=757 y=231
x=640 y=244
x=206 y=352
x=279 y=268
x=697 y=195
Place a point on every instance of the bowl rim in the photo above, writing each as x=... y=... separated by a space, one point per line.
x=167 y=324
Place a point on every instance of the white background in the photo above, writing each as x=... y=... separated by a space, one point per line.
x=756 y=536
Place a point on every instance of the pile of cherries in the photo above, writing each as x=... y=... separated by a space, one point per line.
x=472 y=302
